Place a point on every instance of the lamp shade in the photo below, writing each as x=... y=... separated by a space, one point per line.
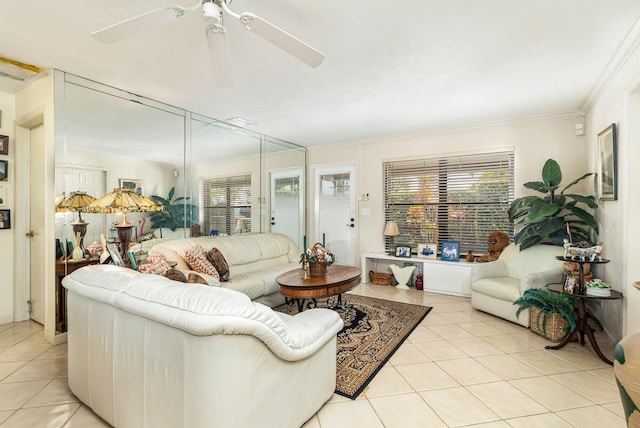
x=75 y=203
x=124 y=201
x=391 y=229
x=241 y=225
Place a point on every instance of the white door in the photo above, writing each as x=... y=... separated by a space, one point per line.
x=36 y=219
x=287 y=199
x=335 y=211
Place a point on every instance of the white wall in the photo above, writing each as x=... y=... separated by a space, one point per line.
x=7 y=107
x=534 y=141
x=618 y=102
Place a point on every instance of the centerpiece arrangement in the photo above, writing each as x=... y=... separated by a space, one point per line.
x=316 y=259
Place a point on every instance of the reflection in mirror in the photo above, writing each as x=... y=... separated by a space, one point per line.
x=108 y=138
x=112 y=139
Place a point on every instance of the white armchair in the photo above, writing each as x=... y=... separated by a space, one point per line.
x=496 y=285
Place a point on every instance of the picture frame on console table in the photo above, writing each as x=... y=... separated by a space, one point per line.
x=427 y=251
x=115 y=254
x=450 y=251
x=607 y=164
x=403 y=251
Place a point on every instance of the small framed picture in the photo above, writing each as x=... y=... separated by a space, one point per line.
x=4 y=145
x=427 y=251
x=403 y=251
x=450 y=251
x=133 y=184
x=607 y=164
x=4 y=170
x=5 y=219
x=3 y=196
x=112 y=248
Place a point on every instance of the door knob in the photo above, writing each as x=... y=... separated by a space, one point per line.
x=351 y=225
x=30 y=234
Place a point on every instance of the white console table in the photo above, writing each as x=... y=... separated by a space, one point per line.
x=439 y=276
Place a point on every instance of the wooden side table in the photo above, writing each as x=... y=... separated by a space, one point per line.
x=64 y=268
x=582 y=327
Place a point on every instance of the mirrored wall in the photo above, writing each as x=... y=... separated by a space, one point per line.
x=218 y=173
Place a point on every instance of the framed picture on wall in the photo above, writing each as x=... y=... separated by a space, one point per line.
x=450 y=251
x=607 y=164
x=4 y=170
x=133 y=184
x=4 y=145
x=427 y=251
x=5 y=219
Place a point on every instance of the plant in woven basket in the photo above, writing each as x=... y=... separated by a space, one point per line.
x=549 y=302
x=318 y=254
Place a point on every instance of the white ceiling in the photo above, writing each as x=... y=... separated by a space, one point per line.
x=391 y=68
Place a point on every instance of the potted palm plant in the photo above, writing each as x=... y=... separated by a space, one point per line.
x=177 y=212
x=549 y=218
x=553 y=315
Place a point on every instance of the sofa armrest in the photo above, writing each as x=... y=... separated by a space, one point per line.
x=493 y=269
x=540 y=279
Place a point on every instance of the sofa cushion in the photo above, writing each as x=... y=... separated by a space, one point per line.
x=194 y=278
x=503 y=288
x=196 y=258
x=218 y=261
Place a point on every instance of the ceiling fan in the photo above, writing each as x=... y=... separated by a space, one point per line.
x=213 y=13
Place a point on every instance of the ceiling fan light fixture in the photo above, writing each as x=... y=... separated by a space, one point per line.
x=211 y=13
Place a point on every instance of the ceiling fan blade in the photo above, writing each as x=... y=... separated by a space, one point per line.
x=220 y=56
x=138 y=24
x=282 y=39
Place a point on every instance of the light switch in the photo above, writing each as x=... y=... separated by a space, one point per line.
x=365 y=211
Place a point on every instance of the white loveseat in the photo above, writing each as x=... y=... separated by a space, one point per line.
x=496 y=285
x=255 y=260
x=148 y=352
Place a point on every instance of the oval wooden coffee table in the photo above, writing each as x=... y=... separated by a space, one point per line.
x=338 y=280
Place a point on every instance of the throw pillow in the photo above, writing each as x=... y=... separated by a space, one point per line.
x=218 y=261
x=194 y=278
x=196 y=257
x=175 y=275
x=159 y=267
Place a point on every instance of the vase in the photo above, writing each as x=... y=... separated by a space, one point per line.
x=626 y=369
x=317 y=269
x=77 y=253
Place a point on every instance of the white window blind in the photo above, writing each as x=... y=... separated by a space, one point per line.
x=226 y=200
x=462 y=198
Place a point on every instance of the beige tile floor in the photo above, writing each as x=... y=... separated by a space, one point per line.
x=460 y=367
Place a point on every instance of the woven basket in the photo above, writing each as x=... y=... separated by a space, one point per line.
x=317 y=269
x=381 y=278
x=556 y=326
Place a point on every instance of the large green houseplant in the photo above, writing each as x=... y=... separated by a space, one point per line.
x=177 y=212
x=545 y=219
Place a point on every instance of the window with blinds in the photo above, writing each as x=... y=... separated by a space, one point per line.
x=460 y=198
x=225 y=200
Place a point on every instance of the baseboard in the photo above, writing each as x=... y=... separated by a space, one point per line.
x=6 y=318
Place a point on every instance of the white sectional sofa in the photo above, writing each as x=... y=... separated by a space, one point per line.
x=148 y=352
x=255 y=260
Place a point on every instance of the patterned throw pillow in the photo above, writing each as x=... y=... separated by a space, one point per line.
x=218 y=261
x=159 y=267
x=196 y=257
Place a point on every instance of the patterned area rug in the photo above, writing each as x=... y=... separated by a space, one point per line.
x=373 y=330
